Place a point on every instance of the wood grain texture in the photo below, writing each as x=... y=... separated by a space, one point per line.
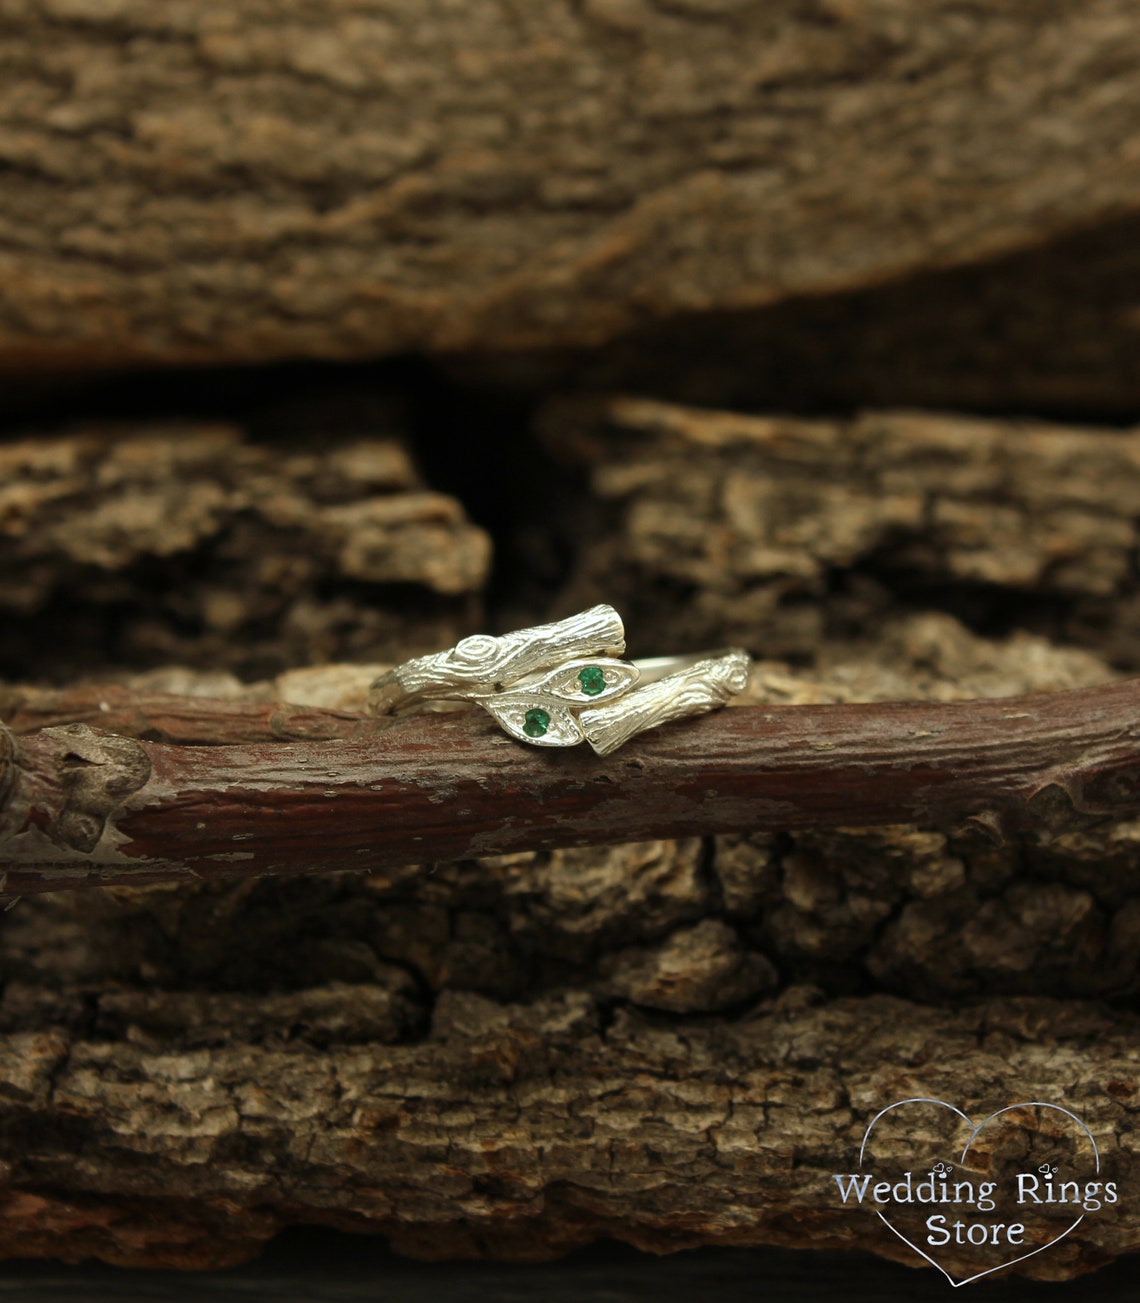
x=514 y=1055
x=187 y=542
x=786 y=534
x=280 y=179
x=444 y=787
x=175 y=717
x=519 y=1130
x=1049 y=329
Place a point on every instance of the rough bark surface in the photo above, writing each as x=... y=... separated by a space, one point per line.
x=521 y=1130
x=513 y=1055
x=689 y=926
x=673 y=1041
x=285 y=179
x=146 y=545
x=185 y=542
x=788 y=534
x=932 y=912
x=1051 y=329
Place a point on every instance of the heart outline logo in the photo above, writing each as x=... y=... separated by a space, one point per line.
x=975 y=1129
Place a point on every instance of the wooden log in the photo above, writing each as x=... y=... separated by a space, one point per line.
x=940 y=913
x=277 y=181
x=790 y=535
x=458 y=1059
x=512 y=1055
x=690 y=926
x=154 y=542
x=522 y=1130
x=1050 y=330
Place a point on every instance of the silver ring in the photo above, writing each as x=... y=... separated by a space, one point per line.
x=556 y=685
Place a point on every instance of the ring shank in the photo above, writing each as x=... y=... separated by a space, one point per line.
x=653 y=668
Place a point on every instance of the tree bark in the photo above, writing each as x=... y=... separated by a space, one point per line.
x=282 y=181
x=1050 y=329
x=184 y=542
x=454 y=1050
x=793 y=535
x=524 y=1130
x=85 y=807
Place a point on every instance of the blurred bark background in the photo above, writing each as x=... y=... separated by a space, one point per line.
x=329 y=335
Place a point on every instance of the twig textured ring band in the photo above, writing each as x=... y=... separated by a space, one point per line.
x=559 y=684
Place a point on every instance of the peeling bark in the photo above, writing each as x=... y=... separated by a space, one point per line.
x=523 y=1130
x=672 y=1041
x=186 y=542
x=789 y=534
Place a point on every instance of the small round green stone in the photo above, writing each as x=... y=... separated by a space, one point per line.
x=592 y=680
x=536 y=722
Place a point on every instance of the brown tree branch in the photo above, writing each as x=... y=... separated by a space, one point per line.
x=177 y=717
x=85 y=807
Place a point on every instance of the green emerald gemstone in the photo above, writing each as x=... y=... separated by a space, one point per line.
x=536 y=722
x=592 y=680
